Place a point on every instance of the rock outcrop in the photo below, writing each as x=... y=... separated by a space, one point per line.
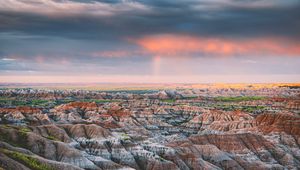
x=170 y=129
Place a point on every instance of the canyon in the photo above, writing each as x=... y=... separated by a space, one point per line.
x=183 y=128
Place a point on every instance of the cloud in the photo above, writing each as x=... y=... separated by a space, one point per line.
x=62 y=8
x=74 y=37
x=284 y=78
x=176 y=45
x=249 y=61
x=246 y=4
x=114 y=19
x=70 y=8
x=119 y=53
x=7 y=59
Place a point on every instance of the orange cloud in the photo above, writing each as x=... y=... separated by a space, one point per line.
x=182 y=44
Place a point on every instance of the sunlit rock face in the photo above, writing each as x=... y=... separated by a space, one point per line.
x=176 y=129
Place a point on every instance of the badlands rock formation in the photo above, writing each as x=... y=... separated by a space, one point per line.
x=157 y=131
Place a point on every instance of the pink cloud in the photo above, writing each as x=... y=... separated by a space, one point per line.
x=174 y=45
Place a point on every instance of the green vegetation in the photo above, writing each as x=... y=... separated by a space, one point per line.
x=161 y=159
x=238 y=98
x=98 y=100
x=52 y=138
x=10 y=101
x=27 y=160
x=2 y=99
x=19 y=140
x=24 y=130
x=63 y=101
x=125 y=137
x=6 y=126
x=38 y=102
x=5 y=138
x=168 y=100
x=190 y=98
x=23 y=133
x=250 y=109
x=19 y=102
x=22 y=136
x=46 y=103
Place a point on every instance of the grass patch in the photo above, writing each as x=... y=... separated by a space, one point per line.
x=22 y=136
x=46 y=103
x=27 y=160
x=161 y=159
x=98 y=100
x=168 y=100
x=6 y=126
x=38 y=102
x=63 y=101
x=125 y=137
x=52 y=138
x=239 y=98
x=24 y=130
x=253 y=108
x=23 y=133
x=13 y=102
x=190 y=98
x=250 y=109
x=5 y=137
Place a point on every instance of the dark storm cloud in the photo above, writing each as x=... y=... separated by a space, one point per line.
x=226 y=18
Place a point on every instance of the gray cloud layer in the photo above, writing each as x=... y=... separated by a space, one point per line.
x=116 y=19
x=35 y=32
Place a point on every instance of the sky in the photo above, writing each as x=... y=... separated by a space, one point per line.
x=149 y=41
